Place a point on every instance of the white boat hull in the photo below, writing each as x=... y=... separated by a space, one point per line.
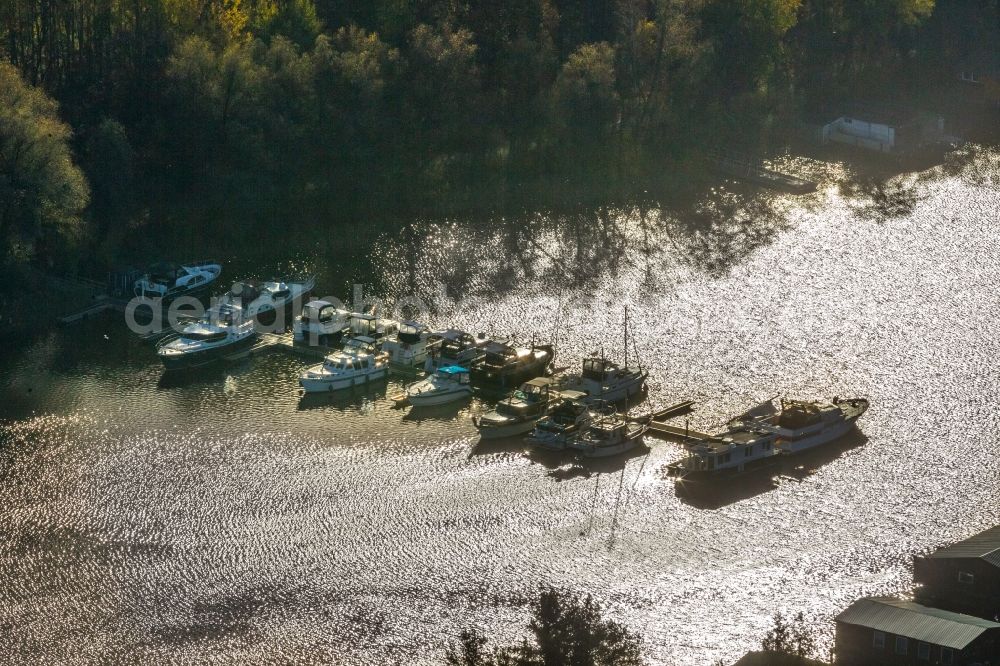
x=825 y=436
x=594 y=451
x=506 y=430
x=323 y=385
x=428 y=399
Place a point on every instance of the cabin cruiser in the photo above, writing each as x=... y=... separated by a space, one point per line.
x=268 y=302
x=732 y=453
x=603 y=380
x=453 y=347
x=571 y=416
x=321 y=323
x=372 y=326
x=447 y=384
x=167 y=280
x=358 y=363
x=409 y=346
x=799 y=425
x=519 y=412
x=225 y=332
x=609 y=436
x=504 y=364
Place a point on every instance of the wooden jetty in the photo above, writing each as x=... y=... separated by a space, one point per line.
x=103 y=304
x=658 y=426
x=752 y=170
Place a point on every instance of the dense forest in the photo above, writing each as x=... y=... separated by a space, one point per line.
x=116 y=114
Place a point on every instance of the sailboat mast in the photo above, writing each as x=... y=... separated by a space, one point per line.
x=626 y=337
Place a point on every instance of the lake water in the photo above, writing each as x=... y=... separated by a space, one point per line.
x=219 y=519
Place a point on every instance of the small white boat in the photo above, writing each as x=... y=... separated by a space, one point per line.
x=570 y=417
x=409 y=346
x=321 y=323
x=447 y=384
x=357 y=364
x=603 y=380
x=453 y=347
x=224 y=333
x=268 y=302
x=610 y=436
x=518 y=413
x=168 y=280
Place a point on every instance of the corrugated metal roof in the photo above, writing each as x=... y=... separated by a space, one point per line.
x=922 y=623
x=985 y=545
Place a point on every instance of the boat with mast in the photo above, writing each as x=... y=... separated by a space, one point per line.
x=606 y=381
x=518 y=413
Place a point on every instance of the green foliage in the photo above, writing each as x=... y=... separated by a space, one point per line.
x=790 y=638
x=567 y=630
x=42 y=192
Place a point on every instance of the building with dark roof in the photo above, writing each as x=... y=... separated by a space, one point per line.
x=964 y=577
x=890 y=632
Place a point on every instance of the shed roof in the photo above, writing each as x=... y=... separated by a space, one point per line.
x=985 y=545
x=909 y=619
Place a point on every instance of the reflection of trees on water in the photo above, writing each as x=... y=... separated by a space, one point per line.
x=879 y=201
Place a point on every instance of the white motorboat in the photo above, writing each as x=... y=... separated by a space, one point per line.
x=571 y=416
x=321 y=323
x=224 y=333
x=453 y=347
x=409 y=346
x=800 y=425
x=610 y=436
x=268 y=302
x=448 y=384
x=168 y=280
x=357 y=364
x=603 y=380
x=518 y=413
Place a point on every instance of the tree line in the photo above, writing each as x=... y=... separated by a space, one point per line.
x=179 y=112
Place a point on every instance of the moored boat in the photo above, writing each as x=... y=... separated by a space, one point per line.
x=268 y=302
x=408 y=348
x=520 y=411
x=731 y=453
x=169 y=280
x=799 y=425
x=504 y=364
x=321 y=323
x=604 y=380
x=453 y=347
x=224 y=333
x=448 y=384
x=570 y=417
x=610 y=435
x=358 y=363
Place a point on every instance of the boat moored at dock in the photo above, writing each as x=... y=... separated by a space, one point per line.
x=223 y=333
x=518 y=413
x=610 y=435
x=169 y=280
x=448 y=384
x=453 y=347
x=408 y=348
x=567 y=420
x=602 y=380
x=321 y=323
x=358 y=363
x=268 y=302
x=504 y=364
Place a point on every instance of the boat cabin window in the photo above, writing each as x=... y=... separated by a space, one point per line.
x=205 y=336
x=327 y=314
x=966 y=578
x=594 y=368
x=409 y=333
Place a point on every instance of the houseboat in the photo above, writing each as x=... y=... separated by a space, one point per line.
x=800 y=425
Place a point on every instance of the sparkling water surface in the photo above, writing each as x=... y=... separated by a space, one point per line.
x=221 y=519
